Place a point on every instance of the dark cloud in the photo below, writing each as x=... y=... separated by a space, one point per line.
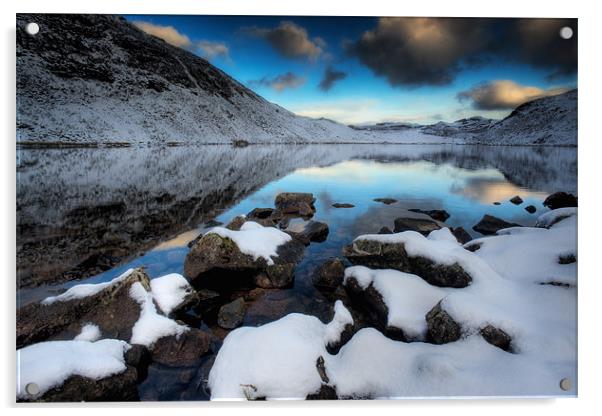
x=290 y=40
x=330 y=77
x=280 y=82
x=503 y=95
x=414 y=51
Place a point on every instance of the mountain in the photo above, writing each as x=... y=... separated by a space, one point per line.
x=98 y=78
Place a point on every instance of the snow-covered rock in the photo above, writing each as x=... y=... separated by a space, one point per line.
x=172 y=292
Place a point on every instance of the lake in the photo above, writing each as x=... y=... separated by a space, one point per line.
x=90 y=214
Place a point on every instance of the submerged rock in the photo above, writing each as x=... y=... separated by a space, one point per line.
x=517 y=200
x=383 y=255
x=329 y=275
x=386 y=201
x=436 y=214
x=441 y=326
x=342 y=205
x=307 y=231
x=560 y=200
x=423 y=226
x=489 y=225
x=232 y=314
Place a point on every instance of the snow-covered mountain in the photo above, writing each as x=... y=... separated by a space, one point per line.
x=98 y=78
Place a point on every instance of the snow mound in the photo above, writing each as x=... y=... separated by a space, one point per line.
x=84 y=290
x=151 y=326
x=169 y=291
x=276 y=360
x=89 y=332
x=49 y=364
x=552 y=217
x=255 y=240
x=408 y=297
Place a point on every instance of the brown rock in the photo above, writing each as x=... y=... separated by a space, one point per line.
x=489 y=225
x=441 y=326
x=182 y=351
x=423 y=226
x=329 y=275
x=232 y=314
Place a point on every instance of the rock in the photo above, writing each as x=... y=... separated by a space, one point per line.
x=112 y=309
x=423 y=226
x=184 y=350
x=217 y=263
x=386 y=201
x=207 y=301
x=560 y=200
x=345 y=337
x=567 y=258
x=489 y=225
x=254 y=294
x=326 y=392
x=139 y=357
x=517 y=200
x=213 y=223
x=436 y=214
x=322 y=370
x=497 y=203
x=441 y=326
x=120 y=387
x=260 y=213
x=231 y=314
x=240 y=143
x=295 y=203
x=380 y=255
x=329 y=275
x=385 y=230
x=473 y=247
x=497 y=337
x=236 y=223
x=342 y=205
x=530 y=209
x=307 y=231
x=461 y=235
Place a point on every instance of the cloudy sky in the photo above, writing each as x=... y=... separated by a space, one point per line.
x=367 y=70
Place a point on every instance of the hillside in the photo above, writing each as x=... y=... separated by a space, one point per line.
x=98 y=78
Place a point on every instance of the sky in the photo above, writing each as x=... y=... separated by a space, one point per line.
x=364 y=70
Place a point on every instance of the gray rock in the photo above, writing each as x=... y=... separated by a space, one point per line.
x=436 y=214
x=232 y=314
x=307 y=231
x=497 y=337
x=441 y=326
x=386 y=201
x=342 y=205
x=379 y=255
x=461 y=235
x=560 y=200
x=531 y=209
x=489 y=225
x=517 y=200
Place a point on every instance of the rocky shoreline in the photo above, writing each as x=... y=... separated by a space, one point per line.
x=422 y=283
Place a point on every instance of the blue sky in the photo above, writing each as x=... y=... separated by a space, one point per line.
x=414 y=70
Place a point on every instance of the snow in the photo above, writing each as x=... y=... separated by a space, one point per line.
x=169 y=291
x=255 y=240
x=408 y=297
x=90 y=332
x=276 y=360
x=49 y=364
x=85 y=290
x=151 y=326
x=554 y=216
x=334 y=329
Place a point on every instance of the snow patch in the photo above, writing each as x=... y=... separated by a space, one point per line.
x=554 y=216
x=255 y=240
x=89 y=332
x=169 y=291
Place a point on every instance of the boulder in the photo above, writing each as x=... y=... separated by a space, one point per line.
x=216 y=262
x=560 y=200
x=231 y=315
x=530 y=209
x=120 y=387
x=423 y=226
x=260 y=213
x=436 y=214
x=497 y=337
x=212 y=223
x=307 y=231
x=386 y=201
x=236 y=223
x=342 y=205
x=461 y=235
x=381 y=255
x=184 y=350
x=441 y=326
x=294 y=203
x=112 y=309
x=385 y=230
x=329 y=275
x=489 y=225
x=517 y=200
x=139 y=357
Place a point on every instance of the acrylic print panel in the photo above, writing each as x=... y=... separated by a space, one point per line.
x=253 y=207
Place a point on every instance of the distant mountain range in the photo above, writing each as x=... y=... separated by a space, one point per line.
x=97 y=79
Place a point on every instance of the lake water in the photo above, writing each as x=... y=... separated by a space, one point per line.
x=143 y=205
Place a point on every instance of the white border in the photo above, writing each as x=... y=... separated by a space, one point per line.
x=590 y=151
